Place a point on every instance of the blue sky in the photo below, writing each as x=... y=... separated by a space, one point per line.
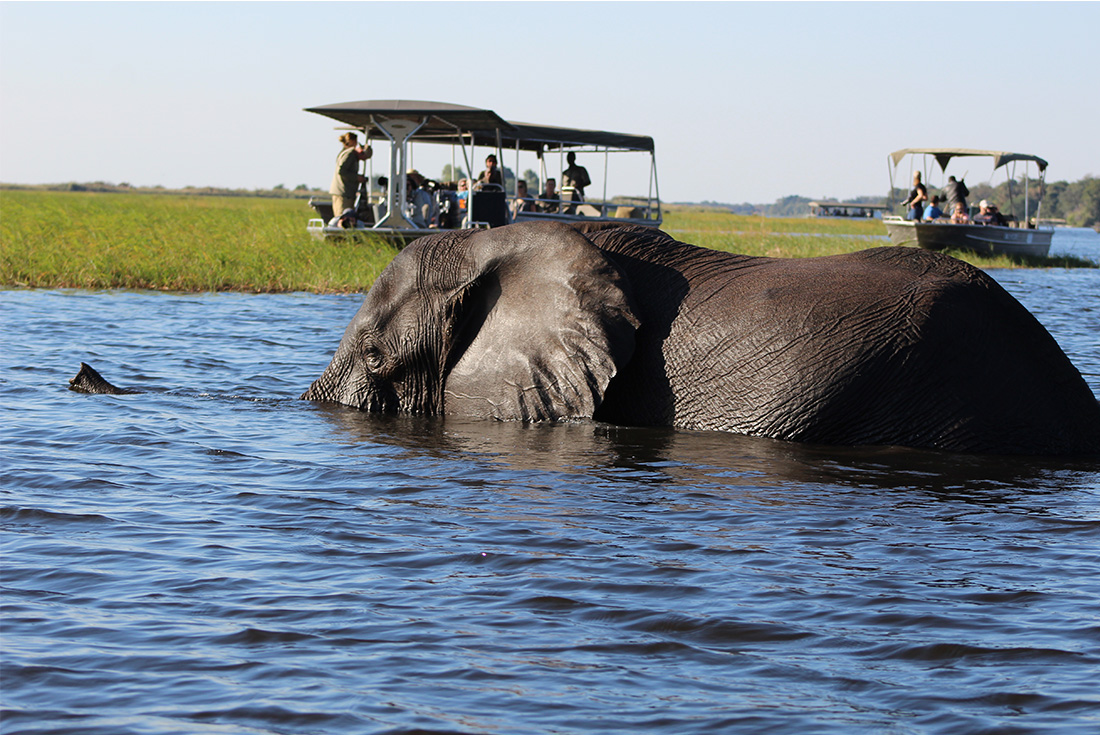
x=746 y=101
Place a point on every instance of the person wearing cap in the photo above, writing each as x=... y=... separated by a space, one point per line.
x=988 y=215
x=346 y=180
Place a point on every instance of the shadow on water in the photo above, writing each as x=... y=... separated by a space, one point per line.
x=663 y=456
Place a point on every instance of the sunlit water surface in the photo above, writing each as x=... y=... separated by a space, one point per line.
x=214 y=556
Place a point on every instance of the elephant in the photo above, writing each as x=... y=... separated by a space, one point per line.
x=621 y=323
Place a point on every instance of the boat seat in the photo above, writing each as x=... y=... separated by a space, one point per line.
x=323 y=207
x=489 y=206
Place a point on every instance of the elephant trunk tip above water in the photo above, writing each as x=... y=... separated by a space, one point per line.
x=624 y=324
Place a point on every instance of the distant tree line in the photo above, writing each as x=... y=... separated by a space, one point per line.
x=789 y=206
x=1078 y=203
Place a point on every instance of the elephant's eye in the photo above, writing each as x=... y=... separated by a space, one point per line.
x=373 y=358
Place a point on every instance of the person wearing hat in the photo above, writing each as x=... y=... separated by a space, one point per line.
x=346 y=180
x=988 y=215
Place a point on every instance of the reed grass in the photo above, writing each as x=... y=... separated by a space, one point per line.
x=779 y=237
x=176 y=243
x=212 y=243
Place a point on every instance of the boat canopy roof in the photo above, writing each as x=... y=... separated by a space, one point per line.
x=944 y=155
x=448 y=123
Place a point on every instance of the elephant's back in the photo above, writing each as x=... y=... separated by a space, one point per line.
x=888 y=345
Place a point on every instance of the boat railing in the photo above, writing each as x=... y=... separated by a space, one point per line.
x=559 y=208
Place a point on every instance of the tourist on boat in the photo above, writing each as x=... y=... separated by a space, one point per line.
x=933 y=212
x=574 y=178
x=548 y=201
x=420 y=201
x=989 y=215
x=955 y=191
x=959 y=216
x=345 y=182
x=382 y=207
x=491 y=174
x=917 y=196
x=463 y=194
x=345 y=220
x=523 y=202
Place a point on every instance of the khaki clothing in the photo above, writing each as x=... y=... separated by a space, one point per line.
x=341 y=202
x=345 y=182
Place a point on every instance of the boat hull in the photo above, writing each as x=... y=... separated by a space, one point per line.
x=981 y=239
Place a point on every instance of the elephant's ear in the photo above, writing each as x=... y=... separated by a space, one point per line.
x=542 y=325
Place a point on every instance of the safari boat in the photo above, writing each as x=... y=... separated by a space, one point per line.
x=402 y=125
x=833 y=208
x=1027 y=238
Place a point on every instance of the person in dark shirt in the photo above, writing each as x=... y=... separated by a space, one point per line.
x=953 y=192
x=491 y=174
x=548 y=200
x=989 y=215
x=918 y=195
x=574 y=178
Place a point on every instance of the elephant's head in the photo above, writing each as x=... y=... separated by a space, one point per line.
x=521 y=322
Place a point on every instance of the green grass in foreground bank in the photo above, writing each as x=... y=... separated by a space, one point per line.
x=178 y=243
x=210 y=243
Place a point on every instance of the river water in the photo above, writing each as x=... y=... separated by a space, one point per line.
x=214 y=556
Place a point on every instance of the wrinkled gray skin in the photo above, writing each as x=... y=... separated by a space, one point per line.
x=542 y=321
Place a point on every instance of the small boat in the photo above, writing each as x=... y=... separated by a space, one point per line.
x=832 y=208
x=1023 y=238
x=403 y=123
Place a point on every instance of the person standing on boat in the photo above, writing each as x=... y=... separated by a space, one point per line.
x=574 y=178
x=346 y=180
x=955 y=191
x=917 y=196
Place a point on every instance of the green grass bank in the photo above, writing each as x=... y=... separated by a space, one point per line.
x=220 y=243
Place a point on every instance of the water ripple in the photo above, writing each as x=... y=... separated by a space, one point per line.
x=215 y=556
